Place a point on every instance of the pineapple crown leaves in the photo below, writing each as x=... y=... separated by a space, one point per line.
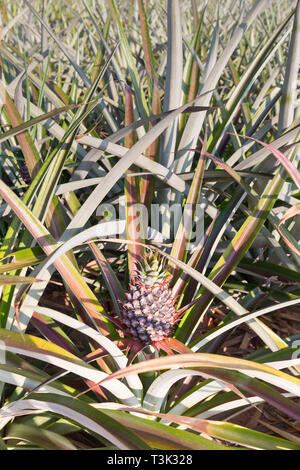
x=152 y=270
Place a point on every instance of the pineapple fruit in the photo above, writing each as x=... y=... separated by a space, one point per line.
x=149 y=312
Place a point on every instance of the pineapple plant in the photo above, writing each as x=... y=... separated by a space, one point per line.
x=149 y=312
x=171 y=54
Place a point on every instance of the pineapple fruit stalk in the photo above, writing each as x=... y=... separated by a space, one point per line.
x=149 y=312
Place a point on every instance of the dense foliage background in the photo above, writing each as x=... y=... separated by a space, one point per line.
x=189 y=104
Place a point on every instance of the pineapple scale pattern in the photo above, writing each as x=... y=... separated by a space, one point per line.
x=149 y=312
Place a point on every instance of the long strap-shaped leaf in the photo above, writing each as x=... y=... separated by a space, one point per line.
x=247 y=80
x=207 y=361
x=194 y=123
x=185 y=227
x=231 y=257
x=38 y=348
x=288 y=98
x=64 y=265
x=82 y=75
x=130 y=62
x=117 y=171
x=173 y=86
x=51 y=169
x=84 y=414
x=32 y=122
x=218 y=429
x=114 y=352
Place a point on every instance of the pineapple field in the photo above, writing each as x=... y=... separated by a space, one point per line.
x=150 y=226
